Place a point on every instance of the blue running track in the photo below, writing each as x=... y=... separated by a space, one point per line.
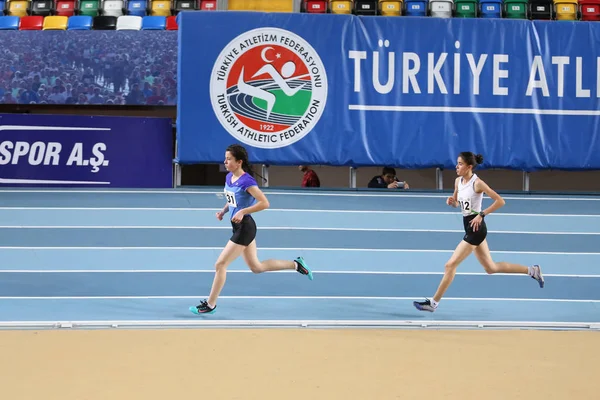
x=95 y=258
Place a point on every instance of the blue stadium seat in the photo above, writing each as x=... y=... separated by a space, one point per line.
x=137 y=8
x=2 y=6
x=9 y=23
x=79 y=23
x=154 y=22
x=490 y=9
x=415 y=8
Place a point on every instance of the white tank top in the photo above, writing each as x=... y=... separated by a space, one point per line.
x=469 y=200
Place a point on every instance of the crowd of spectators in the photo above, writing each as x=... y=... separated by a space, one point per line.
x=89 y=67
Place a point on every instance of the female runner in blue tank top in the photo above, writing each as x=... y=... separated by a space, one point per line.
x=243 y=198
x=468 y=195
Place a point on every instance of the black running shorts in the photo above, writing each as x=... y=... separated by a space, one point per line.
x=244 y=232
x=474 y=238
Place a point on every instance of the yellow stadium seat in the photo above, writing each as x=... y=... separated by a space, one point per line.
x=566 y=10
x=390 y=8
x=341 y=7
x=17 y=8
x=161 y=8
x=261 y=5
x=56 y=23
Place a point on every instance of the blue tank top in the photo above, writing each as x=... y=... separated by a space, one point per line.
x=236 y=193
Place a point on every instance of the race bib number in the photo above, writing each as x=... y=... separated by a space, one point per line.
x=465 y=204
x=230 y=196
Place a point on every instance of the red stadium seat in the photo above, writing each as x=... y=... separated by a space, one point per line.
x=590 y=10
x=315 y=7
x=208 y=5
x=172 y=23
x=31 y=23
x=65 y=8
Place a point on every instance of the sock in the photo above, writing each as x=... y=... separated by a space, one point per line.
x=434 y=303
x=530 y=271
x=296 y=264
x=210 y=305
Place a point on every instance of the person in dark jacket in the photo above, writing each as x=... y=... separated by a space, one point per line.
x=388 y=180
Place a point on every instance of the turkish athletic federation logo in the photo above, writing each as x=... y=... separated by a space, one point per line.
x=268 y=88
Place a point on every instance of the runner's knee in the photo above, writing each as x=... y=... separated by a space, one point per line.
x=451 y=266
x=256 y=267
x=220 y=265
x=490 y=267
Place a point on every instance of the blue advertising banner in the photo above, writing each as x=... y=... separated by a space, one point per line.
x=407 y=92
x=70 y=151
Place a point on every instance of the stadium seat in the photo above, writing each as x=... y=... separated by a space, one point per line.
x=340 y=7
x=31 y=23
x=415 y=8
x=41 y=7
x=589 y=10
x=515 y=9
x=261 y=5
x=55 y=23
x=65 y=8
x=315 y=6
x=390 y=8
x=80 y=23
x=154 y=23
x=441 y=8
x=566 y=10
x=9 y=23
x=137 y=7
x=182 y=5
x=465 y=9
x=172 y=23
x=113 y=8
x=89 y=7
x=105 y=23
x=540 y=9
x=365 y=7
x=490 y=9
x=2 y=7
x=17 y=8
x=160 y=8
x=208 y=5
x=129 y=23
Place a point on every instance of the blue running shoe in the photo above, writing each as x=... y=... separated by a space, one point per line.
x=424 y=305
x=303 y=268
x=203 y=308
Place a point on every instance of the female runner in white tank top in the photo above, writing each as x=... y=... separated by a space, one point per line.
x=468 y=195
